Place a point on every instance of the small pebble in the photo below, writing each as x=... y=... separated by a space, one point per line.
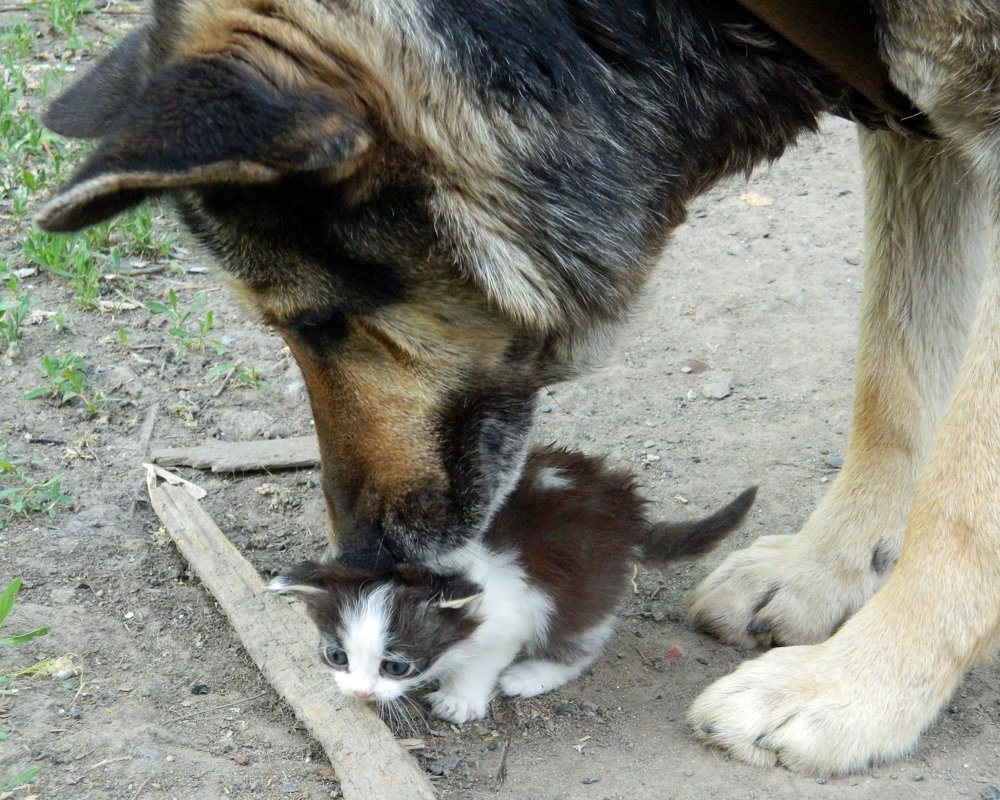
x=288 y=787
x=567 y=709
x=589 y=781
x=75 y=713
x=241 y=759
x=444 y=766
x=918 y=778
x=200 y=688
x=821 y=780
x=716 y=391
x=835 y=462
x=991 y=792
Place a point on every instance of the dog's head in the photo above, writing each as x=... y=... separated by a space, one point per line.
x=373 y=199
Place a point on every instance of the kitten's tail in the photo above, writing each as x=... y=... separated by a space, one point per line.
x=667 y=541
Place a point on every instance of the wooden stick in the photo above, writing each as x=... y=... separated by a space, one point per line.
x=294 y=453
x=282 y=642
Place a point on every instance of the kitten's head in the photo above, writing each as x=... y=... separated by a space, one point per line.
x=383 y=633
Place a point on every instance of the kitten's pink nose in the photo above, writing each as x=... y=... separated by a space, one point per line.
x=363 y=695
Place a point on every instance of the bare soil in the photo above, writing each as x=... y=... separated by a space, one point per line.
x=762 y=285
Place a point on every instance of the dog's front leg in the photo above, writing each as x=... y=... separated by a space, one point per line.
x=867 y=693
x=922 y=271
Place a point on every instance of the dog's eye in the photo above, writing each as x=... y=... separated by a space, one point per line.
x=396 y=669
x=320 y=329
x=335 y=657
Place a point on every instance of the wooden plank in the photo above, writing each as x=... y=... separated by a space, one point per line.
x=294 y=453
x=282 y=642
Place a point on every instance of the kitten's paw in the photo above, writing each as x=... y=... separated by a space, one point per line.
x=531 y=678
x=457 y=707
x=786 y=590
x=520 y=682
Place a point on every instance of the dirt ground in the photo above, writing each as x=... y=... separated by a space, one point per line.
x=762 y=285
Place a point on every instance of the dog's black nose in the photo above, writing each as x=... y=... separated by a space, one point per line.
x=366 y=547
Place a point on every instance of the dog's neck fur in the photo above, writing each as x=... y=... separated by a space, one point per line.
x=699 y=91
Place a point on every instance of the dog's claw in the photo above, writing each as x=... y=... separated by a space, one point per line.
x=760 y=626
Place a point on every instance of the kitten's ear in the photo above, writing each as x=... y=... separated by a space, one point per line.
x=305 y=580
x=453 y=592
x=202 y=120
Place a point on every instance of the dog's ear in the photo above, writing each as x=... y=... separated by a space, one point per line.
x=95 y=103
x=207 y=119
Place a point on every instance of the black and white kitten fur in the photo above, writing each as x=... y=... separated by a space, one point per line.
x=530 y=606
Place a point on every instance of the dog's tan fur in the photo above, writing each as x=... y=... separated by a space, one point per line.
x=492 y=262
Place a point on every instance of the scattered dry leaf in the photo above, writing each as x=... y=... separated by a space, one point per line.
x=756 y=200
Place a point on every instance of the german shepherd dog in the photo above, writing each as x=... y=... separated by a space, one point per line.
x=443 y=205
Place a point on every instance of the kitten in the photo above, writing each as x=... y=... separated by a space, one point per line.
x=530 y=606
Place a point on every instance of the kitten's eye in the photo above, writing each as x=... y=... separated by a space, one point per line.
x=335 y=657
x=396 y=669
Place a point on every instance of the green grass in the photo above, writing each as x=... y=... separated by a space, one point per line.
x=17 y=39
x=236 y=374
x=62 y=16
x=68 y=257
x=7 y=598
x=103 y=261
x=33 y=162
x=68 y=381
x=89 y=259
x=6 y=784
x=15 y=305
x=62 y=321
x=187 y=325
x=23 y=495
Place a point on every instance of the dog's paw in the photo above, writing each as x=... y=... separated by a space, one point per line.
x=811 y=711
x=458 y=707
x=783 y=590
